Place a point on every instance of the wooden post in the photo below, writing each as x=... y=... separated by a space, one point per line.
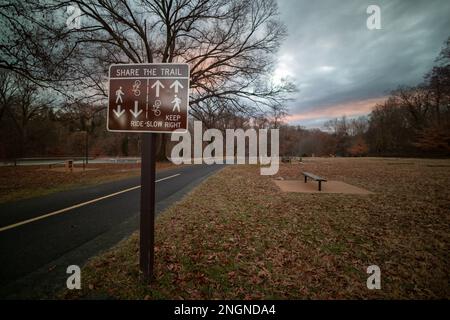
x=147 y=214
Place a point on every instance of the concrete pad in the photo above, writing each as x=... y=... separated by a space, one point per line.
x=312 y=187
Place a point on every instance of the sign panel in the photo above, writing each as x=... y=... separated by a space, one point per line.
x=148 y=97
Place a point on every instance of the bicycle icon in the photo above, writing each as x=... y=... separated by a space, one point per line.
x=155 y=108
x=136 y=86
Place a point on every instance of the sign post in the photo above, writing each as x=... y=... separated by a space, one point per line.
x=147 y=214
x=147 y=99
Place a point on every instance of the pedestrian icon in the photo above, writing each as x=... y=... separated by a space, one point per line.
x=119 y=94
x=176 y=103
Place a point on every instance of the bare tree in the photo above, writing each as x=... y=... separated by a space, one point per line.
x=28 y=102
x=229 y=45
x=31 y=43
x=277 y=112
x=416 y=101
x=358 y=126
x=438 y=82
x=8 y=91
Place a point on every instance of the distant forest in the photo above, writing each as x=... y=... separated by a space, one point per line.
x=413 y=121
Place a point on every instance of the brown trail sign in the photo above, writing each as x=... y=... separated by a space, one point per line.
x=148 y=98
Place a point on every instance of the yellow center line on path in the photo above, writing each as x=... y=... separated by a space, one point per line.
x=54 y=213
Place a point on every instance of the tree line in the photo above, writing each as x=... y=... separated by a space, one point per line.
x=53 y=85
x=413 y=121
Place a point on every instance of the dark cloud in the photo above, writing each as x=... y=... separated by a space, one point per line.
x=335 y=59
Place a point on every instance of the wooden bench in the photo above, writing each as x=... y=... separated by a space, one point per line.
x=314 y=177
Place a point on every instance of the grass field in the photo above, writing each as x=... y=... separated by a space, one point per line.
x=238 y=236
x=23 y=182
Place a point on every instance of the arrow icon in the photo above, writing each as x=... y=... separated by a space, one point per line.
x=158 y=85
x=136 y=111
x=119 y=112
x=176 y=84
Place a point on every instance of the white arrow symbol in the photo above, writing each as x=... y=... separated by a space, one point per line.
x=176 y=84
x=158 y=85
x=119 y=112
x=136 y=111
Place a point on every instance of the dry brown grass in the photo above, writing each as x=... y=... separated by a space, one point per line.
x=30 y=181
x=238 y=236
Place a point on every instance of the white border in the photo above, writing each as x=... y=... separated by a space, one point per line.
x=159 y=63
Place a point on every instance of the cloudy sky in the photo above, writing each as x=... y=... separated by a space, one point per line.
x=342 y=67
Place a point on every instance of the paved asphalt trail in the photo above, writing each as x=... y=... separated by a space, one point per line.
x=35 y=255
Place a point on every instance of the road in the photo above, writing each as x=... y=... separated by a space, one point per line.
x=40 y=237
x=60 y=161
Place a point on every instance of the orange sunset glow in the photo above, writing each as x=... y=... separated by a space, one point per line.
x=350 y=109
